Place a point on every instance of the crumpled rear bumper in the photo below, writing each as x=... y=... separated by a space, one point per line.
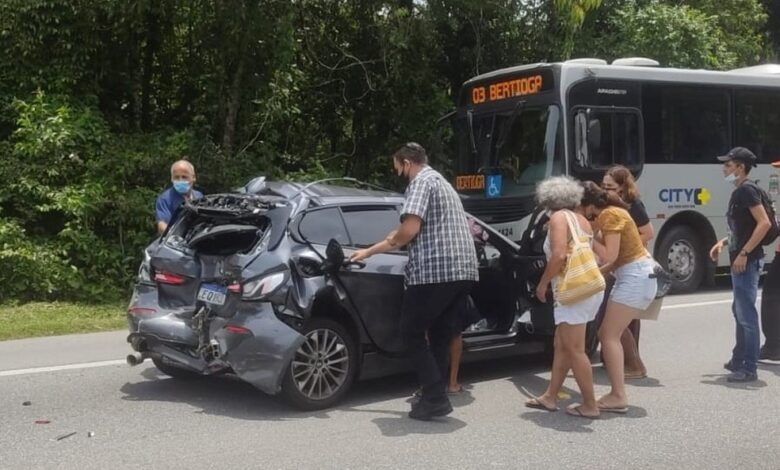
x=256 y=346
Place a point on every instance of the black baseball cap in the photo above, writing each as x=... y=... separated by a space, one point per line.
x=740 y=154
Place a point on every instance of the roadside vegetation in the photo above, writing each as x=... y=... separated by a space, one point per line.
x=99 y=97
x=58 y=318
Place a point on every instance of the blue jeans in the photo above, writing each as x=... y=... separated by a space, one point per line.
x=745 y=285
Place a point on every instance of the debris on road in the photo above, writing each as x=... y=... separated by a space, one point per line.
x=65 y=436
x=27 y=403
x=90 y=434
x=42 y=421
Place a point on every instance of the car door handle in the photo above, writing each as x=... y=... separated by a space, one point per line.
x=350 y=265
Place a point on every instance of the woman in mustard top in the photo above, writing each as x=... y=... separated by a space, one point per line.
x=623 y=255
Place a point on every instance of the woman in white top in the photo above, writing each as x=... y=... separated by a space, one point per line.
x=561 y=196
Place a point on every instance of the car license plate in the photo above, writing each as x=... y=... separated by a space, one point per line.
x=212 y=293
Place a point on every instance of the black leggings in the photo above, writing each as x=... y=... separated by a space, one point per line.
x=770 y=307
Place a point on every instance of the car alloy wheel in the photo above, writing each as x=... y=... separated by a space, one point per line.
x=321 y=364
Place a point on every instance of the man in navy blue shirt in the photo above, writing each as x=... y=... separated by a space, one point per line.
x=183 y=178
x=748 y=223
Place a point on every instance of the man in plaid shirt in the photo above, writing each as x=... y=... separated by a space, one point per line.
x=441 y=269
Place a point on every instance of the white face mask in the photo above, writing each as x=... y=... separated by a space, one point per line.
x=732 y=178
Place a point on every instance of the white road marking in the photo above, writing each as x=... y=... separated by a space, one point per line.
x=83 y=365
x=90 y=365
x=702 y=304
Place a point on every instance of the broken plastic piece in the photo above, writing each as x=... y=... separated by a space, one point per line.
x=27 y=403
x=42 y=421
x=65 y=436
x=90 y=434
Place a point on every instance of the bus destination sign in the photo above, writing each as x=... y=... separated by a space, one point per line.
x=513 y=87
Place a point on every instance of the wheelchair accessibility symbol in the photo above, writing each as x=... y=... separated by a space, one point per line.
x=493 y=186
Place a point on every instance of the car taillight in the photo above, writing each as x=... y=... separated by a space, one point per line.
x=237 y=330
x=169 y=278
x=141 y=312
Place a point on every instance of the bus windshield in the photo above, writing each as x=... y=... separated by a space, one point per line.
x=523 y=146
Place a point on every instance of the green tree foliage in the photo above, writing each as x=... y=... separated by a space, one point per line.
x=712 y=34
x=99 y=97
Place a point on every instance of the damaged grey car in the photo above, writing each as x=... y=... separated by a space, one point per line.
x=256 y=283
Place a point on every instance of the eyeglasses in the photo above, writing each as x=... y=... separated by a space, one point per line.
x=591 y=217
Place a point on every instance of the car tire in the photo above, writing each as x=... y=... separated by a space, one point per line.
x=682 y=253
x=323 y=368
x=173 y=371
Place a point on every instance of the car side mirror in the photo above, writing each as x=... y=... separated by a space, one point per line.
x=334 y=257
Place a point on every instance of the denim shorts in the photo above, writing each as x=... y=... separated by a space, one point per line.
x=633 y=285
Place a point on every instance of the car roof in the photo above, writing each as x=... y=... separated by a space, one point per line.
x=331 y=194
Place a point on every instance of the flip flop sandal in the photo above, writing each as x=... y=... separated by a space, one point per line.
x=613 y=409
x=577 y=412
x=634 y=375
x=538 y=405
x=455 y=392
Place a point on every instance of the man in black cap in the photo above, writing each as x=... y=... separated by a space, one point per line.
x=748 y=223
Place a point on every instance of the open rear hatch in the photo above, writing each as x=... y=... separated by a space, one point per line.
x=203 y=255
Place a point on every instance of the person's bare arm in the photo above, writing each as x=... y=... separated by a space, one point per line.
x=559 y=238
x=646 y=233
x=161 y=226
x=611 y=252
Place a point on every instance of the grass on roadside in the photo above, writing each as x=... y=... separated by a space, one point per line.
x=58 y=318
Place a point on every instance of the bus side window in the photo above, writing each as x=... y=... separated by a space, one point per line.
x=581 y=138
x=604 y=137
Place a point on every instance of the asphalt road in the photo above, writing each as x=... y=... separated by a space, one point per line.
x=685 y=415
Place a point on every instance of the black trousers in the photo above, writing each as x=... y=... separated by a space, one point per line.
x=435 y=309
x=770 y=307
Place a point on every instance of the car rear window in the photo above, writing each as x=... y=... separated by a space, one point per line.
x=368 y=225
x=320 y=226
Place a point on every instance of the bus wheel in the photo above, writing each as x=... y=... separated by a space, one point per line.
x=682 y=253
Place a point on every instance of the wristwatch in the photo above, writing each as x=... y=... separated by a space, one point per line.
x=744 y=253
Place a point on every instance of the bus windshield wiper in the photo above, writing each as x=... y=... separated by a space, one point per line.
x=472 y=139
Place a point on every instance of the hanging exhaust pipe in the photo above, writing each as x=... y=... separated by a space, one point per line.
x=135 y=358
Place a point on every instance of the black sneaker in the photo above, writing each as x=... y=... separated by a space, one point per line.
x=769 y=354
x=425 y=410
x=730 y=367
x=742 y=376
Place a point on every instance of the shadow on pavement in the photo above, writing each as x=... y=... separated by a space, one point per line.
x=769 y=367
x=228 y=396
x=720 y=379
x=600 y=377
x=562 y=422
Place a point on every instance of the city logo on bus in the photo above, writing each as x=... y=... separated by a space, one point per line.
x=684 y=198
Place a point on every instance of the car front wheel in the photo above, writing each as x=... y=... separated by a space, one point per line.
x=323 y=368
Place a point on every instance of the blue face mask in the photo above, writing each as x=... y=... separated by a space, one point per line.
x=182 y=187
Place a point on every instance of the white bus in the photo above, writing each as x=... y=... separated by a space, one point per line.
x=516 y=126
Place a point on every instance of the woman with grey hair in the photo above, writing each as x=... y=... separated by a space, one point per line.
x=561 y=196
